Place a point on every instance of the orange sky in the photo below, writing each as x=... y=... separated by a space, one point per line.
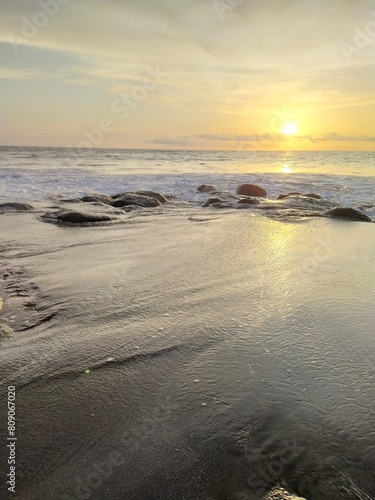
x=194 y=74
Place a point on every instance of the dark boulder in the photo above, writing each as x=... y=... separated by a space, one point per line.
x=211 y=201
x=152 y=194
x=295 y=194
x=16 y=207
x=136 y=199
x=98 y=198
x=206 y=188
x=347 y=213
x=70 y=200
x=130 y=208
x=118 y=195
x=251 y=190
x=74 y=217
x=312 y=195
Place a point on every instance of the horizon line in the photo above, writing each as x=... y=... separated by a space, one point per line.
x=206 y=150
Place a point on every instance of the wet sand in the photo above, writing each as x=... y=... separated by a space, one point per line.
x=190 y=355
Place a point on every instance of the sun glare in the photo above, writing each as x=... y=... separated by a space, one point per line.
x=290 y=128
x=286 y=168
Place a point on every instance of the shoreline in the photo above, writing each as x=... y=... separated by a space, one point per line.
x=100 y=208
x=194 y=341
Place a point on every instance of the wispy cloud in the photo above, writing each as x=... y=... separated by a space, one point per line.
x=334 y=137
x=227 y=75
x=172 y=141
x=20 y=74
x=197 y=139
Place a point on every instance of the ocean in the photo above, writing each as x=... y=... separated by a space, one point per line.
x=35 y=173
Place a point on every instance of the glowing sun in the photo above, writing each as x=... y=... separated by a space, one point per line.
x=290 y=128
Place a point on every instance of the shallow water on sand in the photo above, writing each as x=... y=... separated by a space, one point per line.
x=194 y=356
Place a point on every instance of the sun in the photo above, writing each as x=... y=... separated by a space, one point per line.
x=290 y=128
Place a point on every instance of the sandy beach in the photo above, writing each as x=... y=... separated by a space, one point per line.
x=187 y=250
x=190 y=353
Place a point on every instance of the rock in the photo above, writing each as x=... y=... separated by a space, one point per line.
x=251 y=190
x=347 y=213
x=5 y=331
x=118 y=195
x=312 y=195
x=74 y=217
x=206 y=188
x=221 y=204
x=130 y=208
x=211 y=201
x=150 y=194
x=295 y=194
x=136 y=199
x=98 y=198
x=153 y=194
x=248 y=201
x=18 y=207
x=70 y=200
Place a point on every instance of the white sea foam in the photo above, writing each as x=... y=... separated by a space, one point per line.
x=41 y=173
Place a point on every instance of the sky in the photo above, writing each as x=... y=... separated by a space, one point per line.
x=188 y=74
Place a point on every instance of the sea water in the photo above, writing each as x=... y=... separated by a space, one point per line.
x=36 y=173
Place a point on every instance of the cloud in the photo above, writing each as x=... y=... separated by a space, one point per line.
x=171 y=141
x=20 y=74
x=196 y=139
x=334 y=137
x=226 y=74
x=275 y=34
x=242 y=137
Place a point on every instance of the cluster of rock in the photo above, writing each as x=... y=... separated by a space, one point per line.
x=110 y=207
x=288 y=204
x=102 y=208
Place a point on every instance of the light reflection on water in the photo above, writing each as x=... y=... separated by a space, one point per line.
x=286 y=168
